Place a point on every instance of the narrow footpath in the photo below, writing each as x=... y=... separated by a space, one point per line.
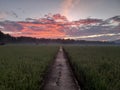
x=61 y=76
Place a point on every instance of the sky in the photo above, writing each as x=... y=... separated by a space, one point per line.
x=73 y=9
x=75 y=19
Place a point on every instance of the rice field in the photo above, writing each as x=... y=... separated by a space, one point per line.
x=24 y=67
x=96 y=67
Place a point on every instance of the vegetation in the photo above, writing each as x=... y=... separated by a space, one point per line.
x=96 y=68
x=23 y=67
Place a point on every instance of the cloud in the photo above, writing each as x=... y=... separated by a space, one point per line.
x=5 y=14
x=10 y=26
x=115 y=18
x=67 y=6
x=113 y=21
x=12 y=13
x=30 y=19
x=90 y=21
x=57 y=26
x=96 y=37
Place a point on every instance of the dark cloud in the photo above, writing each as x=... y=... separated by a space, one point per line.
x=111 y=20
x=14 y=14
x=95 y=29
x=30 y=19
x=90 y=21
x=11 y=26
x=115 y=18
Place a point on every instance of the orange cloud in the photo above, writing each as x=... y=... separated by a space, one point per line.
x=41 y=30
x=53 y=26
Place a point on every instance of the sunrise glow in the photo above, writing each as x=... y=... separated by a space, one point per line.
x=63 y=19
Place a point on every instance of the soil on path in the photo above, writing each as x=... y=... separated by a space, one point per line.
x=61 y=76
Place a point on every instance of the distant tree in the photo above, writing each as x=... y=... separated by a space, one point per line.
x=6 y=38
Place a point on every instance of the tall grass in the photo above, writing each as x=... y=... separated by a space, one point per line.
x=97 y=68
x=23 y=67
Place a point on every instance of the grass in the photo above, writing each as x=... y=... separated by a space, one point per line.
x=96 y=68
x=24 y=67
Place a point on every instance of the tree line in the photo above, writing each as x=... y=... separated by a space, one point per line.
x=6 y=38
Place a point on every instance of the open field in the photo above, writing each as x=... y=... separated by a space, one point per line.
x=96 y=67
x=23 y=67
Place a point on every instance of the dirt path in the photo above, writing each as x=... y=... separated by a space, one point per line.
x=61 y=76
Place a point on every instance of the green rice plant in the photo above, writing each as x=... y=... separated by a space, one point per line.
x=96 y=67
x=24 y=67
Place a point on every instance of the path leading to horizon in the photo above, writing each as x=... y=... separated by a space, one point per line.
x=61 y=76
